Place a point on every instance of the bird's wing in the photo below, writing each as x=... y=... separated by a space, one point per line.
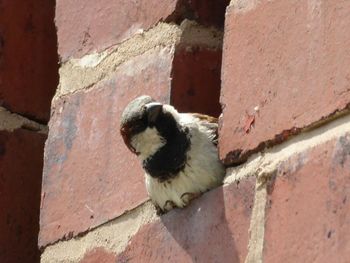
x=210 y=123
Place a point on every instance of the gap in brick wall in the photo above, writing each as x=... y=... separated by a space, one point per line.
x=196 y=81
x=196 y=74
x=205 y=12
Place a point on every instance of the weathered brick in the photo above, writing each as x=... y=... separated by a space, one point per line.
x=90 y=176
x=196 y=82
x=286 y=65
x=28 y=57
x=99 y=255
x=214 y=228
x=86 y=26
x=21 y=155
x=307 y=214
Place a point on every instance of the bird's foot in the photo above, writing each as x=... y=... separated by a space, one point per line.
x=188 y=197
x=167 y=207
x=159 y=211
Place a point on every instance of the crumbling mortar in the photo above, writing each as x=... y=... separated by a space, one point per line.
x=264 y=165
x=257 y=224
x=113 y=236
x=84 y=73
x=265 y=184
x=10 y=121
x=76 y=236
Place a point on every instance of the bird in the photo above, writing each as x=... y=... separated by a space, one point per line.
x=178 y=151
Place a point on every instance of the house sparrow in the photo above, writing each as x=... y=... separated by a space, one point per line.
x=178 y=151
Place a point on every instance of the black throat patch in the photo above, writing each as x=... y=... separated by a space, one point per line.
x=171 y=158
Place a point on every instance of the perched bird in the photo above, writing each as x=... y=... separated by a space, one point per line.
x=178 y=151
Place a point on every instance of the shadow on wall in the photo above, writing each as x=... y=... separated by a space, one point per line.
x=202 y=232
x=28 y=80
x=28 y=57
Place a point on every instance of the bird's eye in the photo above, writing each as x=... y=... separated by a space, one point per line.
x=138 y=126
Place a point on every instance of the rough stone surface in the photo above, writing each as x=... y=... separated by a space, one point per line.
x=88 y=26
x=91 y=26
x=83 y=73
x=214 y=228
x=98 y=255
x=262 y=164
x=28 y=57
x=307 y=214
x=90 y=176
x=21 y=155
x=112 y=237
x=196 y=80
x=286 y=65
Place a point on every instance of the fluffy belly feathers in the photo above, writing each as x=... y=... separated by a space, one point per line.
x=203 y=171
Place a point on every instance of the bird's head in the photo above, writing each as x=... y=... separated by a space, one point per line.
x=145 y=124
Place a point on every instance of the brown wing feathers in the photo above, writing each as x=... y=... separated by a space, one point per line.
x=211 y=123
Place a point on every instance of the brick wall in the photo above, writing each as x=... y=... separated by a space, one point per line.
x=28 y=80
x=280 y=72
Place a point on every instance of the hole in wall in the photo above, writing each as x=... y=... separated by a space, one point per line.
x=206 y=13
x=196 y=81
x=196 y=74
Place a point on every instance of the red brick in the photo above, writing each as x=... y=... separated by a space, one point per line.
x=98 y=255
x=86 y=26
x=308 y=207
x=290 y=59
x=214 y=228
x=28 y=57
x=196 y=82
x=90 y=176
x=21 y=155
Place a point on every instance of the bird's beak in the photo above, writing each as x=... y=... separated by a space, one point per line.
x=153 y=110
x=125 y=132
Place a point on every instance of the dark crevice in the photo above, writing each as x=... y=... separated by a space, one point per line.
x=29 y=117
x=32 y=118
x=207 y=13
x=30 y=128
x=238 y=156
x=196 y=71
x=196 y=80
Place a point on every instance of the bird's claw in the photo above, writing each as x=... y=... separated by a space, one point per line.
x=188 y=197
x=167 y=207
